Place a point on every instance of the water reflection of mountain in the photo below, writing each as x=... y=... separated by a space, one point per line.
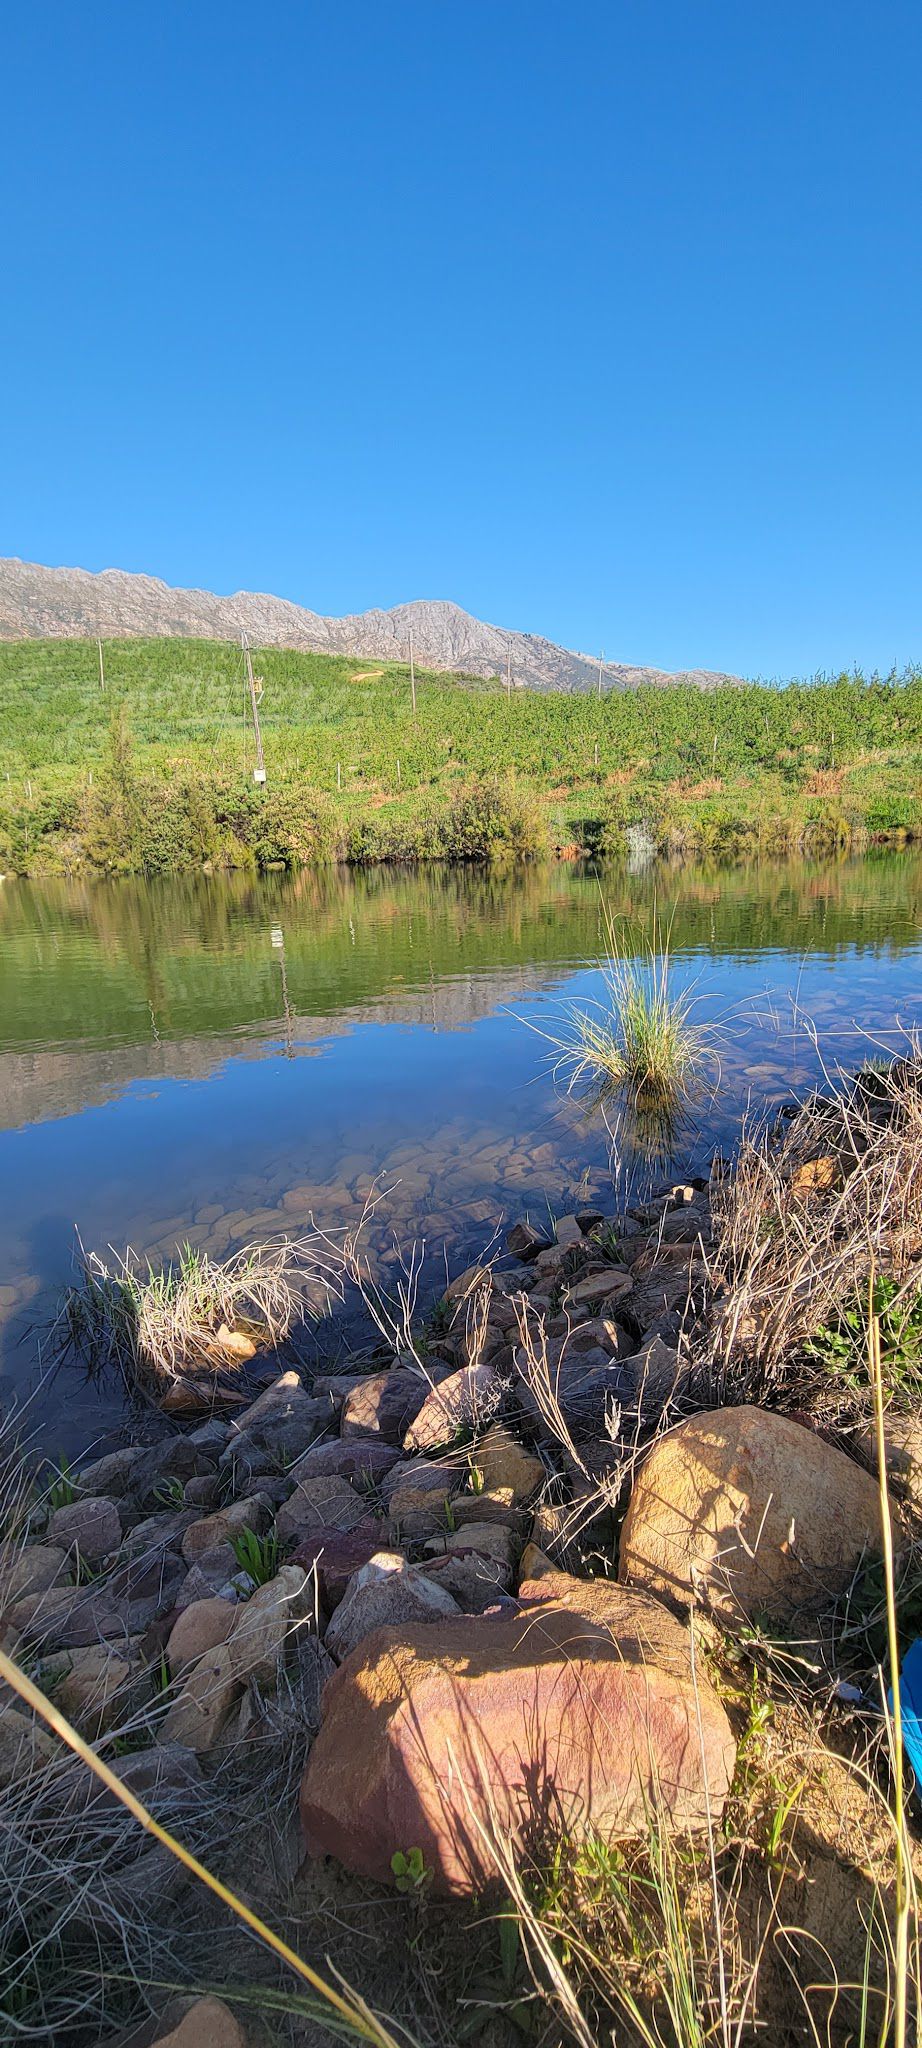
x=60 y=1081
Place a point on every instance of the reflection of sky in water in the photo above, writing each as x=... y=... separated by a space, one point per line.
x=440 y=1085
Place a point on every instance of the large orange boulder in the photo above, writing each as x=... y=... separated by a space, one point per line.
x=579 y=1713
x=753 y=1512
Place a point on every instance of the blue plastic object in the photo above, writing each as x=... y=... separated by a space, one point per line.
x=911 y=1704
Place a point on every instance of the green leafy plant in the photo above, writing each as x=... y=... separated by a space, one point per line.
x=258 y=1556
x=410 y=1872
x=62 y=1491
x=841 y=1347
x=170 y=1493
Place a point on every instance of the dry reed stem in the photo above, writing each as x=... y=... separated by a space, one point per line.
x=364 y=2024
x=789 y=1257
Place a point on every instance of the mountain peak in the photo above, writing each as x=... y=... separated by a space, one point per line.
x=38 y=603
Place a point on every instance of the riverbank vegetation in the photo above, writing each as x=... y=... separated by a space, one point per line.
x=153 y=773
x=689 y=1446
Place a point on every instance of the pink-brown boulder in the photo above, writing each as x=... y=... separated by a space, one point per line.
x=751 y=1511
x=580 y=1713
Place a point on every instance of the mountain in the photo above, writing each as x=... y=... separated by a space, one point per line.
x=37 y=603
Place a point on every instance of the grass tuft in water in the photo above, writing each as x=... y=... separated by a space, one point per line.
x=641 y=1034
x=157 y=1324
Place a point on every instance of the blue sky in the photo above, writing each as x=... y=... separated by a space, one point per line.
x=603 y=319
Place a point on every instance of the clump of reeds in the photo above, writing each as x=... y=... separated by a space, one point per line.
x=155 y=1325
x=642 y=1034
x=802 y=1217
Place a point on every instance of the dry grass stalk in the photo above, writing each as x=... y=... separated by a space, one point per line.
x=801 y=1221
x=344 y=2005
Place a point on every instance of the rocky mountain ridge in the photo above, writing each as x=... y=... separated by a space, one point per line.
x=37 y=602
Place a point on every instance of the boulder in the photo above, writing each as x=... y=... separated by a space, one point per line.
x=419 y=1510
x=202 y=1710
x=68 y=1617
x=281 y=1424
x=464 y=1402
x=112 y=1473
x=25 y=1745
x=613 y=1283
x=331 y=1559
x=91 y=1688
x=204 y=1492
x=177 y=1458
x=199 y=1628
x=902 y=1455
x=467 y=1282
x=262 y=1623
x=163 y=1777
x=753 y=1511
x=387 y=1590
x=565 y=1717
x=363 y=1460
x=158 y=1533
x=212 y=1574
x=475 y=1581
x=568 y=1233
x=27 y=1569
x=504 y=1466
x=323 y=1503
x=208 y=2023
x=495 y=1540
x=524 y=1241
x=656 y=1375
x=89 y=1526
x=384 y=1405
x=212 y=1530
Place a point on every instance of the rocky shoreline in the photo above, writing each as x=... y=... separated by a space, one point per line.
x=464 y=1582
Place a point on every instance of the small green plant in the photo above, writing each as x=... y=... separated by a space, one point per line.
x=62 y=1491
x=258 y=1556
x=160 y=1676
x=440 y=1316
x=170 y=1493
x=609 y=1243
x=410 y=1872
x=841 y=1347
x=477 y=1479
x=451 y=1520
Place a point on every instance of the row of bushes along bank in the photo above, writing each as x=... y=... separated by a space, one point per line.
x=125 y=821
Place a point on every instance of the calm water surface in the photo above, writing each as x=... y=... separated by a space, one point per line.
x=214 y=1060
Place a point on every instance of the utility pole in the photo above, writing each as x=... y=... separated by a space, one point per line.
x=102 y=671
x=412 y=676
x=259 y=772
x=509 y=672
x=601 y=659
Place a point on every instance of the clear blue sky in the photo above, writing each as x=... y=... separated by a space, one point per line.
x=601 y=317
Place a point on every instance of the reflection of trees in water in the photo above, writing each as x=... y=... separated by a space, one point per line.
x=197 y=950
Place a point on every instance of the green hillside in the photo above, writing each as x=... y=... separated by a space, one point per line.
x=154 y=771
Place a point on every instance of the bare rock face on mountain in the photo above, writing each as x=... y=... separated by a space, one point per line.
x=38 y=603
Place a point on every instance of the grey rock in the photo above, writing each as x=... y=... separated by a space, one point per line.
x=385 y=1592
x=111 y=1474
x=362 y=1459
x=177 y=1458
x=384 y=1405
x=90 y=1526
